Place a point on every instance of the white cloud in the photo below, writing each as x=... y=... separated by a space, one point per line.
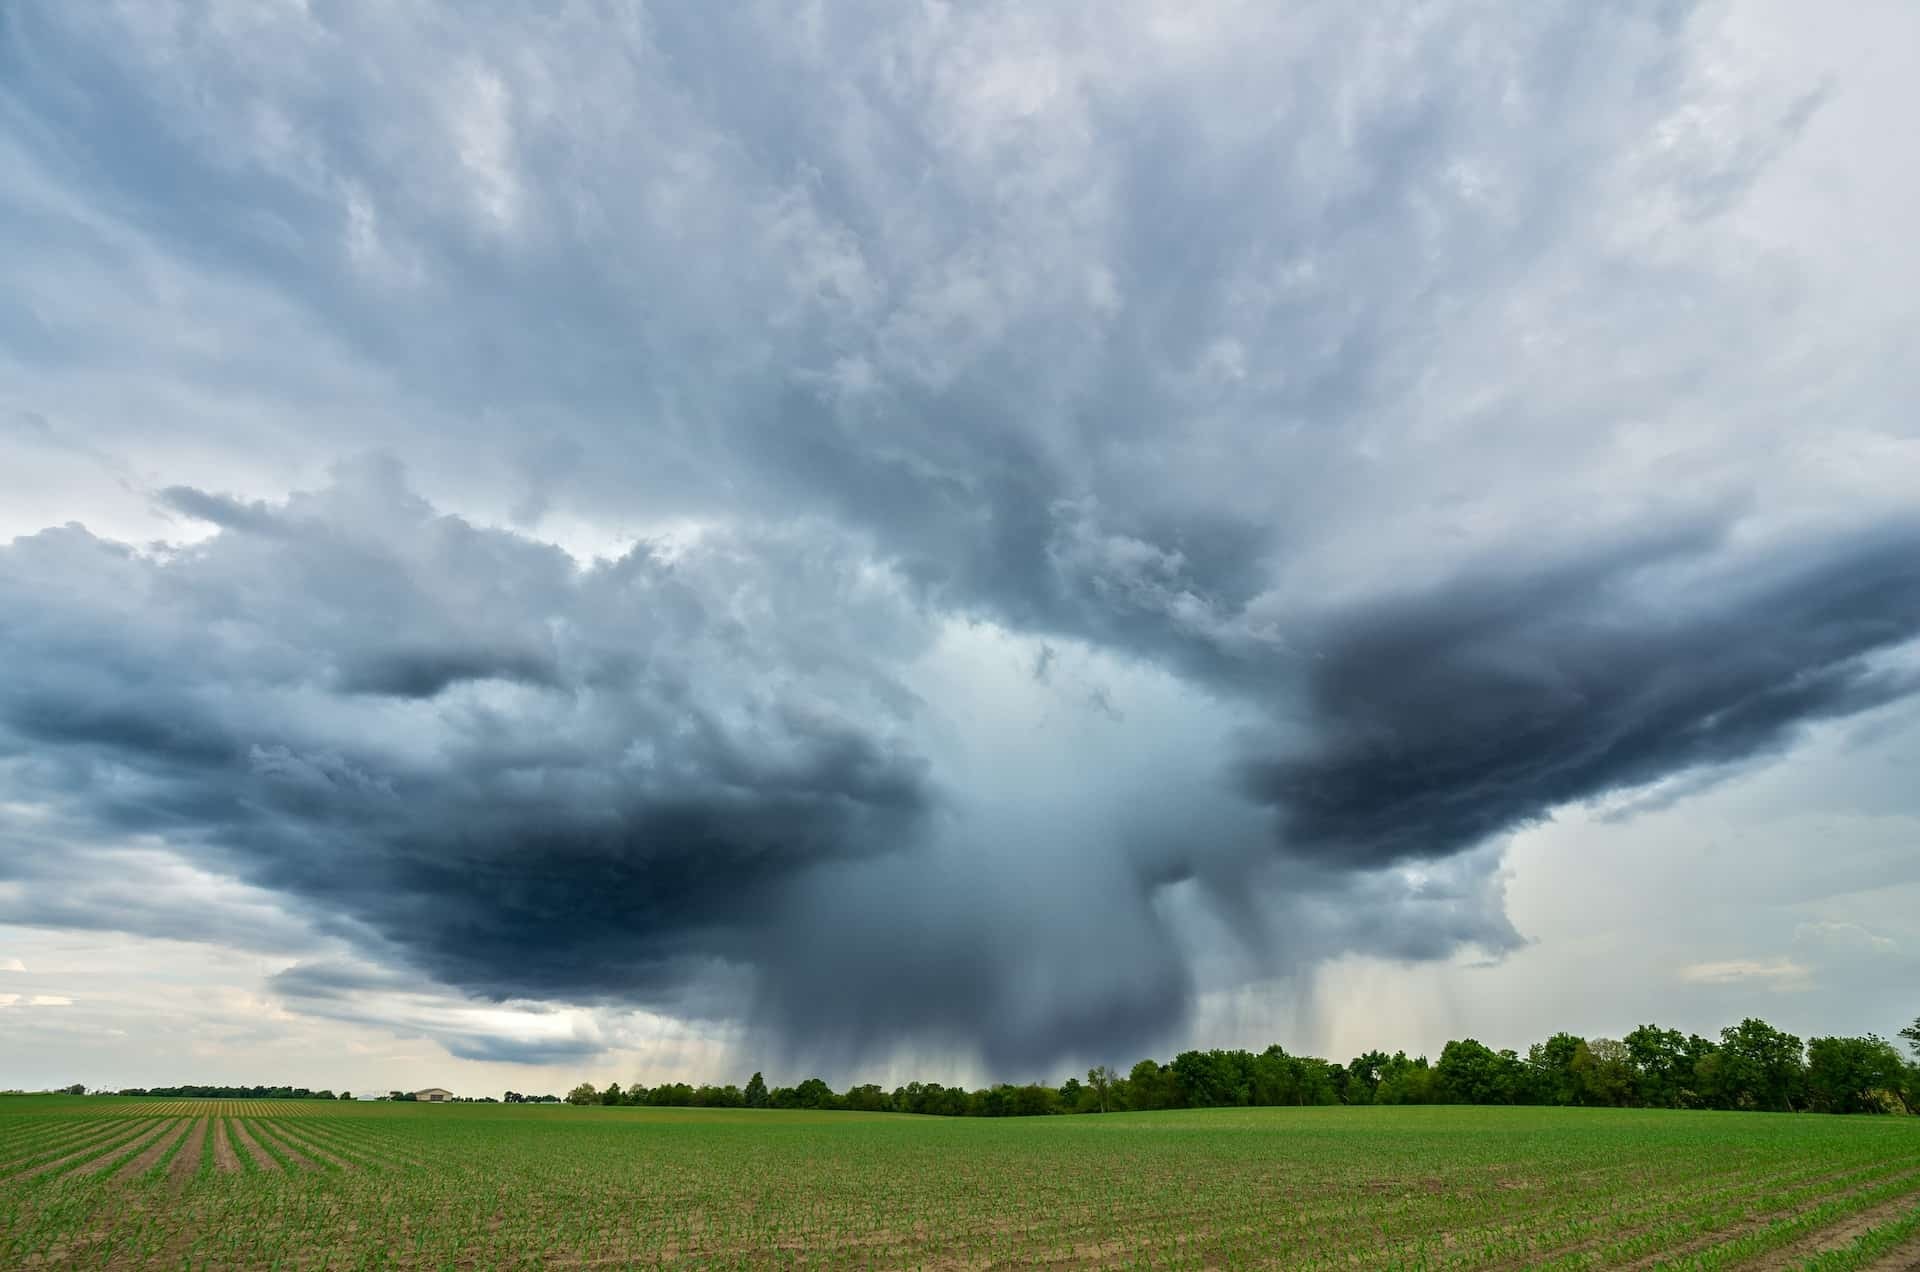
x=1779 y=973
x=1842 y=935
x=35 y=1000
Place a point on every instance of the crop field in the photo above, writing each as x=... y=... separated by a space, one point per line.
x=104 y=1182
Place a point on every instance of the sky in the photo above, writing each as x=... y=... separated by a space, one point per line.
x=651 y=541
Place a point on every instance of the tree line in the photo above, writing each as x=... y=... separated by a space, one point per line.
x=1751 y=1066
x=223 y=1092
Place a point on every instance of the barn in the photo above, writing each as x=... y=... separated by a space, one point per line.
x=433 y=1095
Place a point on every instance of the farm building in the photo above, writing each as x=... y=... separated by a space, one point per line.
x=433 y=1095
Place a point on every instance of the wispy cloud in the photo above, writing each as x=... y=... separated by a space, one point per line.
x=1776 y=974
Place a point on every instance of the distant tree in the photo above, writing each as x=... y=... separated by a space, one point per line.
x=814 y=1094
x=1663 y=1066
x=868 y=1099
x=1363 y=1074
x=756 y=1092
x=1151 y=1087
x=1912 y=1034
x=1035 y=1099
x=583 y=1094
x=1404 y=1081
x=1211 y=1079
x=78 y=1088
x=611 y=1095
x=1760 y=1067
x=1603 y=1068
x=1470 y=1072
x=1551 y=1078
x=1100 y=1081
x=1855 y=1075
x=346 y=1095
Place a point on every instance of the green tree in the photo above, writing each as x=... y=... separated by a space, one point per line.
x=1760 y=1067
x=1404 y=1081
x=1364 y=1073
x=1912 y=1034
x=756 y=1092
x=611 y=1095
x=1100 y=1080
x=1033 y=1100
x=1150 y=1087
x=1604 y=1070
x=1551 y=1078
x=814 y=1094
x=868 y=1099
x=1664 y=1063
x=1470 y=1072
x=1855 y=1075
x=1212 y=1079
x=583 y=1094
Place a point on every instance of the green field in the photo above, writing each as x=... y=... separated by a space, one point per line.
x=103 y=1181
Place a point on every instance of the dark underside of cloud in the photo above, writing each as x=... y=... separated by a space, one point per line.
x=1462 y=711
x=1387 y=411
x=663 y=799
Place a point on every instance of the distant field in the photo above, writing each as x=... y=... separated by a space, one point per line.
x=99 y=1181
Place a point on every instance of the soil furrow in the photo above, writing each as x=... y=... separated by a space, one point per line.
x=261 y=1157
x=151 y=1155
x=271 y=1137
x=109 y=1144
x=186 y=1163
x=1842 y=1232
x=74 y=1142
x=225 y=1160
x=305 y=1144
x=1904 y=1259
x=104 y=1158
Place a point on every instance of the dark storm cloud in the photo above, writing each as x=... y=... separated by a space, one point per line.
x=221 y=510
x=516 y=1051
x=1445 y=717
x=621 y=807
x=423 y=673
x=1299 y=371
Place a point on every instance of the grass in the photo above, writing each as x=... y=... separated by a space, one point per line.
x=422 y=1186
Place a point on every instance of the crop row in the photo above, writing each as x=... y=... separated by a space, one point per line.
x=1429 y=1189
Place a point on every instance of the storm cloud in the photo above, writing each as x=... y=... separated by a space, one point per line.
x=912 y=530
x=1448 y=716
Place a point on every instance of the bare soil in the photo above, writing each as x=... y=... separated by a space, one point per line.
x=105 y=1156
x=267 y=1133
x=261 y=1157
x=224 y=1158
x=1904 y=1259
x=94 y=1135
x=150 y=1157
x=1840 y=1234
x=109 y=1144
x=186 y=1163
x=1737 y=1230
x=310 y=1149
